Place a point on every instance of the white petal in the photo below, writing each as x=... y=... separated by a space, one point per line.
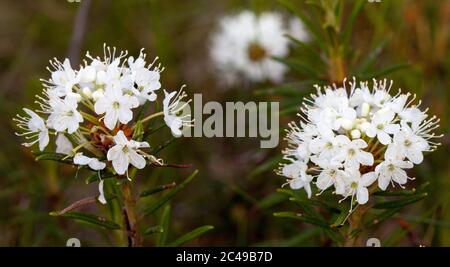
x=43 y=139
x=96 y=165
x=296 y=183
x=414 y=156
x=383 y=180
x=392 y=128
x=111 y=118
x=113 y=152
x=371 y=131
x=101 y=197
x=362 y=195
x=368 y=178
x=79 y=159
x=63 y=145
x=383 y=137
x=365 y=158
x=136 y=160
x=324 y=181
x=120 y=164
x=120 y=138
x=125 y=115
x=101 y=105
x=399 y=176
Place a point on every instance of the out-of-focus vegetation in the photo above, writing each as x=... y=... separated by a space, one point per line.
x=234 y=190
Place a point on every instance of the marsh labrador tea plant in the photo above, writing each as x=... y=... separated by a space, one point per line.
x=356 y=141
x=97 y=116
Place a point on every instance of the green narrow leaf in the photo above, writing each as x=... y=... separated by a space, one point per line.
x=138 y=132
x=268 y=165
x=382 y=217
x=299 y=67
x=154 y=230
x=157 y=189
x=357 y=7
x=163 y=200
x=307 y=219
x=310 y=51
x=400 y=203
x=163 y=145
x=307 y=208
x=90 y=219
x=191 y=235
x=165 y=224
x=396 y=193
x=272 y=200
x=372 y=56
x=153 y=130
x=308 y=23
x=104 y=174
x=340 y=219
x=387 y=70
x=63 y=158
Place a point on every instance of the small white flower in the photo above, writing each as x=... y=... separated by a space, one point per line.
x=126 y=152
x=331 y=174
x=391 y=169
x=93 y=163
x=34 y=128
x=357 y=185
x=381 y=126
x=172 y=105
x=63 y=145
x=63 y=78
x=64 y=114
x=351 y=153
x=117 y=107
x=298 y=178
x=409 y=144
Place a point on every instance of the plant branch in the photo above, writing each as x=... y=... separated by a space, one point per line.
x=130 y=218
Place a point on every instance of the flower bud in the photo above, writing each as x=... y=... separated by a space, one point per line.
x=97 y=94
x=365 y=109
x=355 y=134
x=87 y=92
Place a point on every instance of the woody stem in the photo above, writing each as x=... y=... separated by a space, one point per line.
x=130 y=217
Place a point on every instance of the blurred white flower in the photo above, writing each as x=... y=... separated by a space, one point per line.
x=245 y=44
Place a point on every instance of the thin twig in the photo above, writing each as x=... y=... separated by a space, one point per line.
x=78 y=33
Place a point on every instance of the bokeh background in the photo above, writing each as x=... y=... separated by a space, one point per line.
x=234 y=190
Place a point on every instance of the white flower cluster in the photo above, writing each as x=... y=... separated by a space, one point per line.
x=91 y=108
x=350 y=140
x=245 y=44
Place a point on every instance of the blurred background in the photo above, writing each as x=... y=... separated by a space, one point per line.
x=234 y=190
